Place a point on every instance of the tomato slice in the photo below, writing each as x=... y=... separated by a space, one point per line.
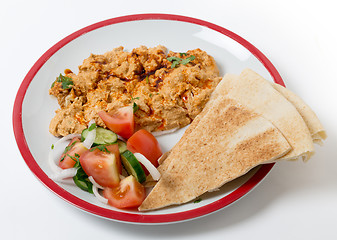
x=145 y=143
x=129 y=193
x=103 y=164
x=114 y=148
x=74 y=149
x=121 y=122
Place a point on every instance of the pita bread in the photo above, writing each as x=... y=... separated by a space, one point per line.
x=219 y=91
x=226 y=143
x=315 y=127
x=254 y=91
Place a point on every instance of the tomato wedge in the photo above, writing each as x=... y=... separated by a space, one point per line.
x=145 y=143
x=129 y=193
x=103 y=164
x=74 y=149
x=121 y=122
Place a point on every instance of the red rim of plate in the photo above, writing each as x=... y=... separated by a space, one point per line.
x=122 y=216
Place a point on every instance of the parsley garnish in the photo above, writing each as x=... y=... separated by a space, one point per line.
x=67 y=82
x=52 y=146
x=67 y=148
x=187 y=60
x=147 y=79
x=135 y=107
x=102 y=148
x=177 y=60
x=183 y=54
x=174 y=60
x=75 y=158
x=198 y=200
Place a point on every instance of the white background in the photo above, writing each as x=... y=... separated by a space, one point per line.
x=296 y=200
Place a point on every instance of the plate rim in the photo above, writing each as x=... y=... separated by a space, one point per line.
x=109 y=213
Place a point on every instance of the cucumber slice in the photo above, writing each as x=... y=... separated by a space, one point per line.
x=132 y=166
x=103 y=136
x=121 y=146
x=82 y=181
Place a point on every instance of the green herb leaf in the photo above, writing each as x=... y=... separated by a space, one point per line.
x=183 y=54
x=74 y=158
x=184 y=61
x=135 y=107
x=147 y=79
x=174 y=64
x=192 y=57
x=77 y=164
x=92 y=127
x=198 y=200
x=176 y=60
x=171 y=59
x=187 y=60
x=66 y=149
x=67 y=82
x=52 y=146
x=102 y=148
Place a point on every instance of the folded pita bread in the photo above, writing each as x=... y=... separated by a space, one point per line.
x=315 y=127
x=226 y=143
x=285 y=110
x=256 y=93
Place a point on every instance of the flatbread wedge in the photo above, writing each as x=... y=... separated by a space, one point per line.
x=253 y=91
x=316 y=129
x=227 y=142
x=285 y=110
x=219 y=91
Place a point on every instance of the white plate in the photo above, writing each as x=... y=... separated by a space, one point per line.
x=34 y=107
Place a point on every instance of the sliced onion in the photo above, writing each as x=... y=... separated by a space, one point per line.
x=65 y=138
x=160 y=133
x=52 y=162
x=66 y=173
x=92 y=180
x=148 y=165
x=95 y=187
x=91 y=136
x=99 y=197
